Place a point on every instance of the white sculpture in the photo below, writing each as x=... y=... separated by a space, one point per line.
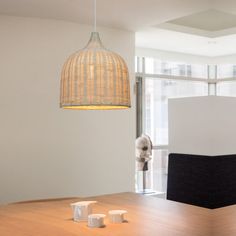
x=143 y=146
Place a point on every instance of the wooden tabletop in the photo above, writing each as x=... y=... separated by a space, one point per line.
x=147 y=216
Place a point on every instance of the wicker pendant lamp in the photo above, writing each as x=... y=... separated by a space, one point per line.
x=95 y=78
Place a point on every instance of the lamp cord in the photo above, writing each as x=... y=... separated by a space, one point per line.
x=95 y=15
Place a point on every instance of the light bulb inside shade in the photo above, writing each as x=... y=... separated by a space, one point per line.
x=95 y=107
x=91 y=71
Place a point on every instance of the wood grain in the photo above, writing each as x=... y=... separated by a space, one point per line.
x=147 y=216
x=224 y=221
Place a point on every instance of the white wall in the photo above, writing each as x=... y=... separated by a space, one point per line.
x=47 y=152
x=202 y=125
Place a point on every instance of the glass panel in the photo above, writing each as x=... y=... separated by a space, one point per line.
x=212 y=89
x=226 y=89
x=156 y=176
x=138 y=64
x=156 y=66
x=159 y=167
x=226 y=71
x=155 y=110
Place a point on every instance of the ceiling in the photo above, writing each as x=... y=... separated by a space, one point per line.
x=168 y=40
x=210 y=33
x=125 y=14
x=202 y=27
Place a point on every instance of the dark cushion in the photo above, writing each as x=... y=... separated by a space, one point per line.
x=206 y=181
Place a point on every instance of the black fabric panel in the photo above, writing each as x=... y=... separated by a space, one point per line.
x=205 y=181
x=224 y=188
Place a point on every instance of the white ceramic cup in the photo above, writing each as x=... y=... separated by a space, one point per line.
x=117 y=216
x=81 y=210
x=96 y=220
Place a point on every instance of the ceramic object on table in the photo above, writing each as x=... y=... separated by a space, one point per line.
x=82 y=209
x=117 y=216
x=96 y=220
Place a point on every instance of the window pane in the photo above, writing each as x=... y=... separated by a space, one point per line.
x=138 y=64
x=226 y=89
x=156 y=175
x=226 y=71
x=156 y=94
x=159 y=167
x=155 y=66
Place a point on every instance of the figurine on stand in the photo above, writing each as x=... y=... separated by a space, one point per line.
x=143 y=146
x=143 y=152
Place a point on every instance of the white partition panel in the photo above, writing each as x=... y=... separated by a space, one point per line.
x=202 y=125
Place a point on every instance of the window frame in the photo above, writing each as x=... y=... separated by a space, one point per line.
x=212 y=81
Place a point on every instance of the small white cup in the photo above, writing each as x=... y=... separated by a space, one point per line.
x=96 y=220
x=117 y=216
x=81 y=210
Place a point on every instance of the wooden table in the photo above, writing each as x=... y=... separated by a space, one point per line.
x=147 y=216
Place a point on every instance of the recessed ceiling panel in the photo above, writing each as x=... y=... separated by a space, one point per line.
x=210 y=20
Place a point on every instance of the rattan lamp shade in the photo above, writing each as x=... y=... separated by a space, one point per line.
x=95 y=78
